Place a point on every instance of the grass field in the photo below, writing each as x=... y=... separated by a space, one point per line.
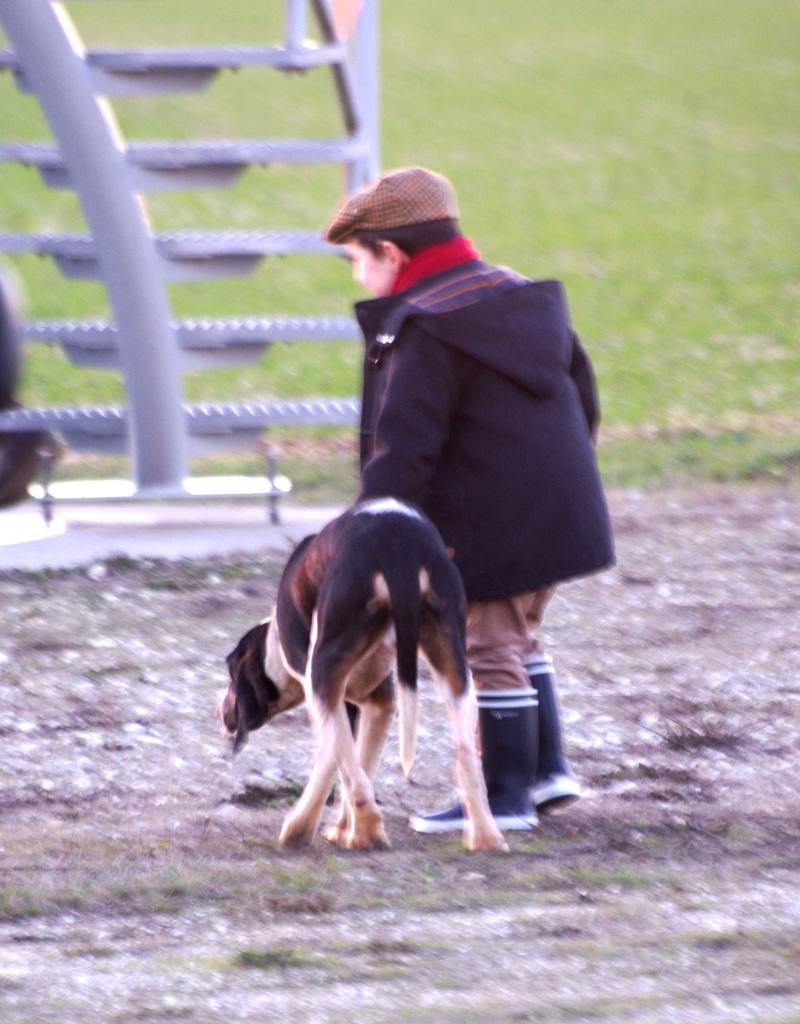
x=647 y=154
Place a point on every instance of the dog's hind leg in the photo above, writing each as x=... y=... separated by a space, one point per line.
x=364 y=821
x=444 y=651
x=336 y=648
x=375 y=718
x=482 y=833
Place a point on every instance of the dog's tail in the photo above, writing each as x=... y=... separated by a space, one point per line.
x=408 y=717
x=406 y=592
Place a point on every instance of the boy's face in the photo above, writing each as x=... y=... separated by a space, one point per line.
x=377 y=273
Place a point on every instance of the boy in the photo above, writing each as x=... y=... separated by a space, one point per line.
x=479 y=405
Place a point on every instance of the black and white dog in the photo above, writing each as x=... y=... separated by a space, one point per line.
x=372 y=588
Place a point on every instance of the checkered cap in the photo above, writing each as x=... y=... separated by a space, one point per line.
x=412 y=195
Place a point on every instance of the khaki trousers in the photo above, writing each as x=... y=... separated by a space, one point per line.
x=500 y=639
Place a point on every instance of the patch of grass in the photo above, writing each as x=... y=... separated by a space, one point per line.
x=19 y=900
x=692 y=727
x=179 y=576
x=242 y=571
x=675 y=457
x=781 y=463
x=717 y=942
x=262 y=796
x=138 y=887
x=283 y=959
x=603 y=878
x=329 y=479
x=609 y=1009
x=375 y=959
x=163 y=891
x=300 y=878
x=143 y=888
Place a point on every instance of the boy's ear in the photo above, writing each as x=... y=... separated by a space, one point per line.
x=394 y=254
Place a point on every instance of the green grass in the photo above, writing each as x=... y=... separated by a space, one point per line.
x=647 y=154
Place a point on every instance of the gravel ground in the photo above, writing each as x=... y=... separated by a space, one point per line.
x=140 y=876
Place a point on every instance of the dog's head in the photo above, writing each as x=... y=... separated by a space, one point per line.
x=252 y=698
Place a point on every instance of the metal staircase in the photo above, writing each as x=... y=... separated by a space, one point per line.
x=73 y=86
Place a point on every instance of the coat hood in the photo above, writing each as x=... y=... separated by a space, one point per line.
x=517 y=327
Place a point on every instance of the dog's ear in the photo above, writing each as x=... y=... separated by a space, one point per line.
x=297 y=598
x=254 y=691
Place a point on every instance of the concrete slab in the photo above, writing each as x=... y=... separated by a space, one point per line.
x=83 y=534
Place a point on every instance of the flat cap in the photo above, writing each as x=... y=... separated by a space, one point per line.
x=412 y=195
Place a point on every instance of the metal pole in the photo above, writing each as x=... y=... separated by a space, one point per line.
x=367 y=72
x=48 y=47
x=296 y=29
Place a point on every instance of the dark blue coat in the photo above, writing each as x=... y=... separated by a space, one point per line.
x=480 y=406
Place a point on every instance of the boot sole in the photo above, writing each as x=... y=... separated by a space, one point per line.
x=556 y=803
x=505 y=822
x=557 y=791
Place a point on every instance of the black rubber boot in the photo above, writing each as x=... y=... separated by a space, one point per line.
x=508 y=727
x=555 y=784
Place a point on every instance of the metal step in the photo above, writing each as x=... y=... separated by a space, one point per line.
x=204 y=344
x=221 y=426
x=213 y=427
x=162 y=166
x=159 y=70
x=186 y=255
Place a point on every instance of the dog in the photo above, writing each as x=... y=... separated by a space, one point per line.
x=369 y=591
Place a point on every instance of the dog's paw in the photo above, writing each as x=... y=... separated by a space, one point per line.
x=296 y=833
x=337 y=832
x=373 y=840
x=485 y=842
x=349 y=839
x=337 y=835
x=366 y=832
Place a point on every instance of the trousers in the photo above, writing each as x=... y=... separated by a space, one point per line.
x=501 y=639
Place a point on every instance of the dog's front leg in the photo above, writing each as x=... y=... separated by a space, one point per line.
x=301 y=825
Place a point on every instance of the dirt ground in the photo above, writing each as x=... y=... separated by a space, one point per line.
x=140 y=875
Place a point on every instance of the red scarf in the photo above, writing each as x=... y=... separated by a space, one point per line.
x=433 y=260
